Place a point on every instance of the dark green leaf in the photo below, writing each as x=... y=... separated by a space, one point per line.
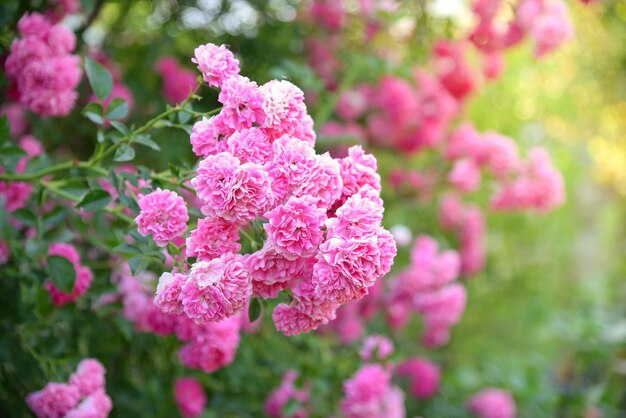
x=124 y=153
x=94 y=200
x=12 y=151
x=5 y=131
x=175 y=170
x=123 y=129
x=254 y=310
x=99 y=78
x=117 y=109
x=138 y=264
x=61 y=273
x=147 y=141
x=127 y=249
x=93 y=112
x=25 y=216
x=55 y=216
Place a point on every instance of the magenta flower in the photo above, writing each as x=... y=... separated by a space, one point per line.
x=190 y=397
x=492 y=403
x=243 y=103
x=163 y=214
x=89 y=377
x=216 y=63
x=54 y=400
x=212 y=238
x=423 y=375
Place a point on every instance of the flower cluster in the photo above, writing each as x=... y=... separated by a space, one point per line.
x=492 y=403
x=426 y=288
x=285 y=393
x=208 y=347
x=322 y=216
x=44 y=72
x=177 y=81
x=83 y=396
x=190 y=397
x=163 y=214
x=83 y=280
x=369 y=394
x=423 y=375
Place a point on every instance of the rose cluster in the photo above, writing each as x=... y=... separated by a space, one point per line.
x=321 y=216
x=15 y=194
x=426 y=287
x=84 y=395
x=178 y=82
x=41 y=67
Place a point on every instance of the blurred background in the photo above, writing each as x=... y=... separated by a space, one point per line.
x=545 y=317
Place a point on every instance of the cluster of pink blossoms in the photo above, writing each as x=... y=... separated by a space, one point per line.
x=41 y=67
x=534 y=184
x=178 y=82
x=492 y=403
x=83 y=396
x=190 y=397
x=426 y=287
x=423 y=375
x=369 y=394
x=15 y=194
x=322 y=216
x=207 y=347
x=545 y=21
x=83 y=280
x=287 y=392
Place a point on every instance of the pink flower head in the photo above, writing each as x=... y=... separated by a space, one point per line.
x=291 y=167
x=499 y=154
x=423 y=375
x=552 y=28
x=233 y=191
x=168 y=293
x=243 y=102
x=190 y=397
x=96 y=405
x=14 y=194
x=376 y=347
x=369 y=394
x=324 y=182
x=441 y=310
x=453 y=70
x=465 y=176
x=213 y=347
x=271 y=272
x=357 y=170
x=208 y=136
x=294 y=229
x=89 y=377
x=486 y=9
x=54 y=400
x=177 y=81
x=358 y=217
x=216 y=289
x=250 y=146
x=212 y=238
x=163 y=214
x=492 y=403
x=216 y=63
x=352 y=103
x=283 y=104
x=329 y=13
x=291 y=321
x=283 y=394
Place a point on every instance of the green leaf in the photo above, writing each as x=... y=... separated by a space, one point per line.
x=145 y=140
x=55 y=216
x=13 y=151
x=61 y=273
x=117 y=109
x=183 y=116
x=25 y=216
x=138 y=264
x=254 y=310
x=126 y=249
x=124 y=153
x=123 y=129
x=100 y=78
x=173 y=169
x=94 y=200
x=93 y=112
x=5 y=131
